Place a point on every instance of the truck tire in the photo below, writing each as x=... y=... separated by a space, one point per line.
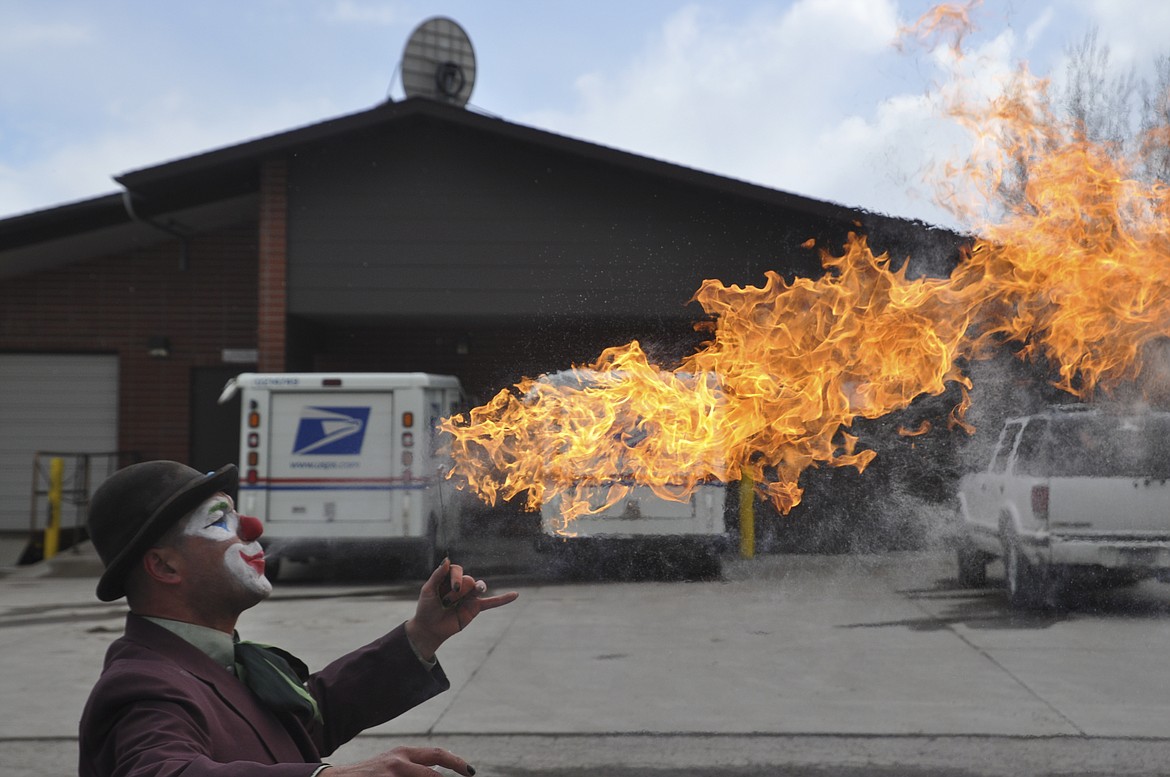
x=702 y=562
x=972 y=567
x=1029 y=586
x=1016 y=574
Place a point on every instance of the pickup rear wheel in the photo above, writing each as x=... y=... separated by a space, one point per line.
x=1029 y=586
x=1016 y=575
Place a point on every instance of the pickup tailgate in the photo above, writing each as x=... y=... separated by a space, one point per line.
x=1136 y=507
x=642 y=513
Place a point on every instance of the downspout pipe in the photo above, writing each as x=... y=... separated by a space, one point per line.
x=184 y=239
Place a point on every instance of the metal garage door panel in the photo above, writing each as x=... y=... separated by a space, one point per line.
x=51 y=402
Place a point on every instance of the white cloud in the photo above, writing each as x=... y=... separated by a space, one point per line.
x=1135 y=30
x=1035 y=31
x=172 y=126
x=703 y=76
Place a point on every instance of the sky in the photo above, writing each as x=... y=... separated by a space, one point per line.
x=807 y=96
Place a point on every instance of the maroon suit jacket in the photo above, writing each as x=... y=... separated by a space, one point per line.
x=164 y=707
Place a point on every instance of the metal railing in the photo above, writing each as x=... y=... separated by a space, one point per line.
x=61 y=486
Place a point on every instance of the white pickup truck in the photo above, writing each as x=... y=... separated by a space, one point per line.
x=1071 y=494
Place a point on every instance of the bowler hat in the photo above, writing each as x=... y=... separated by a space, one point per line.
x=134 y=508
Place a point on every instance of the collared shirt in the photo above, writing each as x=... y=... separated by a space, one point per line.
x=215 y=643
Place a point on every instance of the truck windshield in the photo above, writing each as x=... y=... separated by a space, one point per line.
x=1102 y=446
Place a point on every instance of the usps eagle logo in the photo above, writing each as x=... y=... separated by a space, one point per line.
x=331 y=431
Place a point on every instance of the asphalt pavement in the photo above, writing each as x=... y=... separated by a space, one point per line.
x=802 y=665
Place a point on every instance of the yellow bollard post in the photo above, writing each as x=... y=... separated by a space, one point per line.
x=747 y=516
x=56 y=484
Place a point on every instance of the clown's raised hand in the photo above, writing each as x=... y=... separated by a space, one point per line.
x=448 y=602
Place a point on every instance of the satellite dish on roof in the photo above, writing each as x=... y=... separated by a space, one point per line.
x=438 y=62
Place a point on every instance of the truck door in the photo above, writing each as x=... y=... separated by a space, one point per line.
x=986 y=495
x=331 y=459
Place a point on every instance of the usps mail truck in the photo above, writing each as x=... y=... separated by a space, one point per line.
x=343 y=462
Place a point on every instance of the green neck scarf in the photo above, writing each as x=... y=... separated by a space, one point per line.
x=277 y=678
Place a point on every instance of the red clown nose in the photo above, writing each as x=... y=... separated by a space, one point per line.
x=250 y=528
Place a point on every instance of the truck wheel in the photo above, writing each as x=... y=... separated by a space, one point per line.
x=972 y=567
x=1016 y=575
x=702 y=563
x=1029 y=586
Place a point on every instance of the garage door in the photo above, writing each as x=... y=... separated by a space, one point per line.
x=51 y=402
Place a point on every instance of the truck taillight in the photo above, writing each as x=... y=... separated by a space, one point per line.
x=253 y=458
x=407 y=439
x=253 y=440
x=1040 y=502
x=407 y=458
x=253 y=420
x=253 y=477
x=407 y=419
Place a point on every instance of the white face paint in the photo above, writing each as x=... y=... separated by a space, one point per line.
x=217 y=520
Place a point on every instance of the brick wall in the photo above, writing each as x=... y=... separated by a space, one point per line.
x=273 y=270
x=116 y=303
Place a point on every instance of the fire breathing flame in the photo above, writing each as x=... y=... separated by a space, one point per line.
x=921 y=429
x=1074 y=271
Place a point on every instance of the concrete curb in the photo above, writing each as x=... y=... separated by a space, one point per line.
x=79 y=561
